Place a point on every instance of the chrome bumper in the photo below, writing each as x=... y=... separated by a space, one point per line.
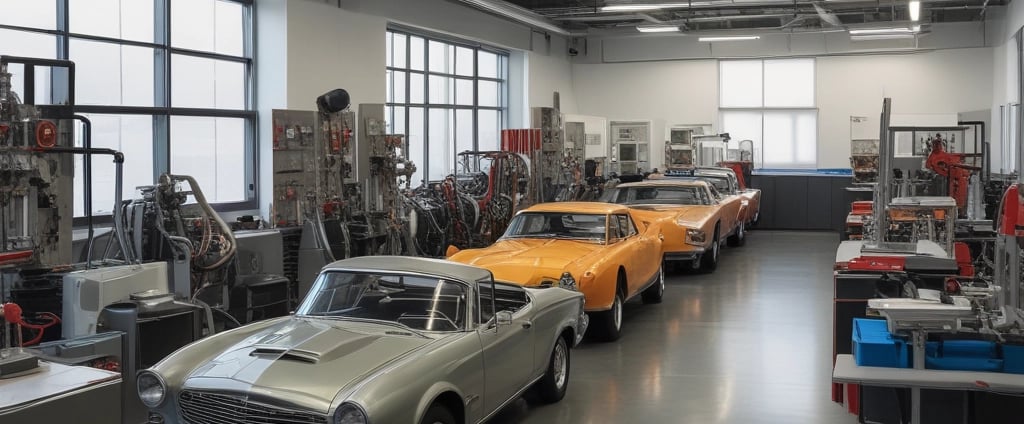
x=581 y=327
x=688 y=255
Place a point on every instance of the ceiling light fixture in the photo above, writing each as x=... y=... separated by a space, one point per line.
x=641 y=7
x=874 y=31
x=730 y=38
x=881 y=37
x=915 y=10
x=657 y=28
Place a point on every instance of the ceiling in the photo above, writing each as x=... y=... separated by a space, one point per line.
x=716 y=15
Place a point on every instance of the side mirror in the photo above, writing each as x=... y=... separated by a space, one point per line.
x=503 y=318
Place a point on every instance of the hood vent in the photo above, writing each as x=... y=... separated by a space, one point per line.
x=286 y=354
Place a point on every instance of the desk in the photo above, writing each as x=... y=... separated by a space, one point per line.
x=62 y=393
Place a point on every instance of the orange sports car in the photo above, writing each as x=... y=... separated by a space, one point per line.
x=603 y=250
x=697 y=217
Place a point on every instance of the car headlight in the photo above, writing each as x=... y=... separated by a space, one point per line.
x=567 y=282
x=152 y=389
x=694 y=236
x=350 y=413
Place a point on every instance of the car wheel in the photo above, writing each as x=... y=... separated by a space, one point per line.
x=438 y=414
x=739 y=237
x=551 y=388
x=709 y=261
x=610 y=322
x=654 y=293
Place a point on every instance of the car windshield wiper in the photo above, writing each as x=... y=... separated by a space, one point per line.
x=372 y=321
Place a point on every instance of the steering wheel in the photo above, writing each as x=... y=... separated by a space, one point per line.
x=432 y=313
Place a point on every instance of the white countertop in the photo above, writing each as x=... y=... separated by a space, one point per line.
x=847 y=371
x=54 y=379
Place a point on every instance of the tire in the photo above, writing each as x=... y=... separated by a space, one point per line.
x=609 y=323
x=739 y=238
x=709 y=260
x=438 y=414
x=656 y=291
x=551 y=388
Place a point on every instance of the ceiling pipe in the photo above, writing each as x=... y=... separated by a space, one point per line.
x=518 y=14
x=563 y=12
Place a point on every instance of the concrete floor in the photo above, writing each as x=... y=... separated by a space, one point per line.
x=749 y=343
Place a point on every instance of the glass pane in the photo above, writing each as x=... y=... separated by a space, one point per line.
x=416 y=88
x=398 y=57
x=127 y=20
x=129 y=134
x=440 y=155
x=789 y=83
x=397 y=124
x=416 y=143
x=441 y=90
x=207 y=83
x=417 y=50
x=464 y=61
x=388 y=47
x=442 y=57
x=790 y=139
x=29 y=13
x=488 y=64
x=111 y=74
x=21 y=43
x=399 y=79
x=489 y=95
x=207 y=25
x=464 y=92
x=489 y=130
x=463 y=130
x=212 y=150
x=389 y=86
x=743 y=125
x=739 y=83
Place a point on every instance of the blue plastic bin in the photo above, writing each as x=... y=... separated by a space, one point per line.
x=1013 y=359
x=963 y=355
x=873 y=346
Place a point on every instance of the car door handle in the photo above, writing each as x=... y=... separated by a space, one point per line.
x=527 y=325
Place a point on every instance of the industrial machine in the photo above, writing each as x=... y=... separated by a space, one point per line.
x=956 y=168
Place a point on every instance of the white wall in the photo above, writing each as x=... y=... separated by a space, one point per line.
x=686 y=92
x=1004 y=23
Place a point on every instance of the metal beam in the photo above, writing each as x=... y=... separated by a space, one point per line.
x=518 y=14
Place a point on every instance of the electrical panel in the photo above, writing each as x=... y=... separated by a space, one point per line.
x=295 y=153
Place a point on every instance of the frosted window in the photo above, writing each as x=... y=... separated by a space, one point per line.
x=129 y=134
x=463 y=130
x=122 y=19
x=416 y=53
x=111 y=74
x=212 y=150
x=489 y=95
x=742 y=125
x=790 y=139
x=28 y=44
x=208 y=25
x=488 y=67
x=789 y=83
x=398 y=57
x=389 y=48
x=490 y=130
x=399 y=87
x=740 y=83
x=417 y=142
x=29 y=13
x=464 y=61
x=440 y=156
x=416 y=88
x=207 y=83
x=464 y=92
x=442 y=57
x=442 y=90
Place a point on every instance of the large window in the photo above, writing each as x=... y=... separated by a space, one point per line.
x=446 y=96
x=168 y=83
x=772 y=103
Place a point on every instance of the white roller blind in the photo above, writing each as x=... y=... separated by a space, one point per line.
x=740 y=83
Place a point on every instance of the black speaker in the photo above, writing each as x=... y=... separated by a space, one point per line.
x=335 y=100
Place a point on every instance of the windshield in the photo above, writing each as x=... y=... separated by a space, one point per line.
x=663 y=195
x=720 y=183
x=590 y=227
x=416 y=302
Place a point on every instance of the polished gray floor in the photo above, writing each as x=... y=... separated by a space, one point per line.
x=749 y=343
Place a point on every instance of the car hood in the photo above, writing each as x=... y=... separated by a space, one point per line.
x=305 y=362
x=691 y=215
x=529 y=261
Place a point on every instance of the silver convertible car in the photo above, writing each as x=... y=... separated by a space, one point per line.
x=378 y=340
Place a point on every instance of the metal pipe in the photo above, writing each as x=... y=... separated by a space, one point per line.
x=518 y=14
x=882 y=187
x=87 y=193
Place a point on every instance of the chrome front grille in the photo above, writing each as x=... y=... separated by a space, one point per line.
x=214 y=408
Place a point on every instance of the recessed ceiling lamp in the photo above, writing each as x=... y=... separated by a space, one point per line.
x=881 y=31
x=730 y=38
x=657 y=28
x=915 y=10
x=639 y=7
x=880 y=37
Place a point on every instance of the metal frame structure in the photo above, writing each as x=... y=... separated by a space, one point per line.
x=426 y=106
x=162 y=110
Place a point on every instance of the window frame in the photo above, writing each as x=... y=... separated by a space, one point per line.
x=502 y=80
x=162 y=110
x=762 y=110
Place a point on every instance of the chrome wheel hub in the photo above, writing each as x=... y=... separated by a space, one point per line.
x=561 y=365
x=617 y=312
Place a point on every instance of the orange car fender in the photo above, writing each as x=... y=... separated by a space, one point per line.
x=598 y=285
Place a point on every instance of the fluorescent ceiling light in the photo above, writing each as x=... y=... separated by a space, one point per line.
x=915 y=10
x=880 y=37
x=641 y=7
x=870 y=31
x=657 y=28
x=730 y=38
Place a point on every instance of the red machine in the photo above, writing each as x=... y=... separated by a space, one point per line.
x=1011 y=215
x=954 y=167
x=743 y=169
